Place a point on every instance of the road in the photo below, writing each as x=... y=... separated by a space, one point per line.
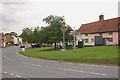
x=19 y=66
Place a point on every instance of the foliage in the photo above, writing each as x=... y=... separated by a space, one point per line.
x=11 y=42
x=11 y=34
x=49 y=34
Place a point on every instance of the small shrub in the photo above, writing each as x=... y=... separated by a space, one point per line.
x=11 y=42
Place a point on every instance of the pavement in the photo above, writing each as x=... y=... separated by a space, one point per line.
x=15 y=65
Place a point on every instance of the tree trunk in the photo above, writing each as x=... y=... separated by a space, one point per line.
x=55 y=46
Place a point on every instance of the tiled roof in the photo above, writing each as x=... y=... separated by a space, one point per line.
x=100 y=26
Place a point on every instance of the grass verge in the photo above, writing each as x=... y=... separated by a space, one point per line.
x=99 y=55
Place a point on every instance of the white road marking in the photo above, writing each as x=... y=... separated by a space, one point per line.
x=12 y=74
x=69 y=63
x=17 y=76
x=95 y=65
x=84 y=72
x=99 y=65
x=59 y=68
x=97 y=73
x=5 y=72
x=81 y=64
x=35 y=65
x=31 y=64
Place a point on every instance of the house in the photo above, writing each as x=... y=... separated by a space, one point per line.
x=99 y=33
x=19 y=40
x=15 y=40
x=4 y=39
x=8 y=38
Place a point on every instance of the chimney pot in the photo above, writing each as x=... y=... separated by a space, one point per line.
x=101 y=17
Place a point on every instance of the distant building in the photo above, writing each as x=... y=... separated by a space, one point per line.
x=4 y=39
x=19 y=40
x=99 y=33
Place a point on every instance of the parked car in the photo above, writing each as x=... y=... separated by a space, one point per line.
x=16 y=44
x=35 y=45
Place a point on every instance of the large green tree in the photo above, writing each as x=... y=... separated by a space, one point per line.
x=55 y=24
x=27 y=35
x=49 y=34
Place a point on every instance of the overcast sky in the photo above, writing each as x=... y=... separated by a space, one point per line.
x=18 y=15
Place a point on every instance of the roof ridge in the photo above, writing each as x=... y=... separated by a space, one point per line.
x=100 y=26
x=101 y=21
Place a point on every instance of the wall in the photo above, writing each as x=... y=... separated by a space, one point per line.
x=89 y=37
x=15 y=40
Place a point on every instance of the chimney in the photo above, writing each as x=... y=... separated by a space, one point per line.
x=101 y=17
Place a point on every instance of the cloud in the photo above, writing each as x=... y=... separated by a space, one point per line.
x=18 y=15
x=15 y=16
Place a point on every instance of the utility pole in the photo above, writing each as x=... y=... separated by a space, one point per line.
x=63 y=39
x=74 y=35
x=74 y=41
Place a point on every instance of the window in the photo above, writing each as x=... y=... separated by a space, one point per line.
x=92 y=40
x=110 y=33
x=86 y=40
x=100 y=34
x=110 y=39
x=86 y=34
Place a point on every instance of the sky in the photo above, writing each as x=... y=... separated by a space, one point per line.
x=14 y=15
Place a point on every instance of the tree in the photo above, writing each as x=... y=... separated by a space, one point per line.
x=27 y=35
x=55 y=24
x=7 y=33
x=49 y=34
x=13 y=34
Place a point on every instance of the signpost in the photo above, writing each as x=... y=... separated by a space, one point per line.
x=63 y=29
x=63 y=50
x=74 y=34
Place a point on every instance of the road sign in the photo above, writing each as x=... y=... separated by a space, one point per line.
x=63 y=49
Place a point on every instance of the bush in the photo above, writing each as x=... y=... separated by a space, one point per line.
x=11 y=42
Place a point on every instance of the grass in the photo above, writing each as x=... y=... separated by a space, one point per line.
x=99 y=55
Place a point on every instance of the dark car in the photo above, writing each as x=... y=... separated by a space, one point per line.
x=35 y=45
x=22 y=46
x=16 y=44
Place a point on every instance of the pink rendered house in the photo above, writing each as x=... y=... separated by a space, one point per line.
x=104 y=32
x=110 y=38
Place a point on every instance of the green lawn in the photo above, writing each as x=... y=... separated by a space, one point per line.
x=100 y=55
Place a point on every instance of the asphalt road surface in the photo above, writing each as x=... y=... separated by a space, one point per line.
x=15 y=65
